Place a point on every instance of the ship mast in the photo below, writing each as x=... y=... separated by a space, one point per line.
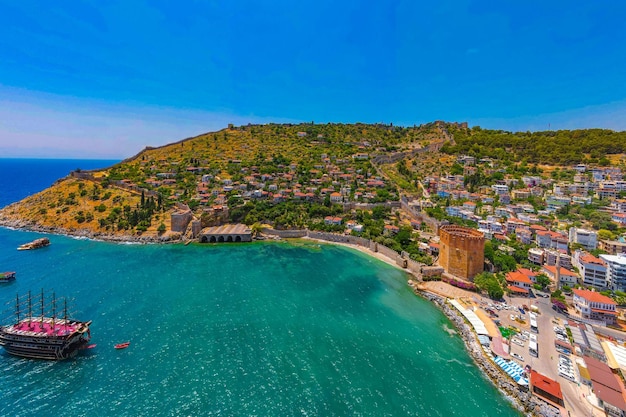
x=30 y=309
x=17 y=307
x=54 y=308
x=65 y=312
x=42 y=308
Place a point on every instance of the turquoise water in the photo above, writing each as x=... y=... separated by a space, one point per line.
x=267 y=329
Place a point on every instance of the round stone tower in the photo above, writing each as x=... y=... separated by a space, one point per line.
x=461 y=251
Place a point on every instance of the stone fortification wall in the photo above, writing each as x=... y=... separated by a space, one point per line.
x=196 y=228
x=180 y=219
x=432 y=223
x=462 y=251
x=388 y=252
x=285 y=234
x=332 y=237
x=431 y=271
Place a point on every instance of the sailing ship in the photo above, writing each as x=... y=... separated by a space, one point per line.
x=43 y=336
x=35 y=244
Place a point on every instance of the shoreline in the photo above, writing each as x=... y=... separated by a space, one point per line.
x=519 y=399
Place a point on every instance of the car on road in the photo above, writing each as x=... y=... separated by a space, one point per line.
x=517 y=356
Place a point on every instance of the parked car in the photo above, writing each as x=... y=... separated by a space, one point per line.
x=517 y=356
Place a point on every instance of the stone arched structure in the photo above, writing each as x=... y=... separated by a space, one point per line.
x=226 y=233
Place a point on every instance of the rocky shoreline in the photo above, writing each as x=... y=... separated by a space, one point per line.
x=522 y=399
x=89 y=234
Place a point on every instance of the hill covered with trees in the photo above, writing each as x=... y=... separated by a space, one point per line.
x=560 y=147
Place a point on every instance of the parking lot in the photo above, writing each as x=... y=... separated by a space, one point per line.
x=550 y=327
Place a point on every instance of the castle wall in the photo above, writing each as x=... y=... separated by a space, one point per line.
x=180 y=220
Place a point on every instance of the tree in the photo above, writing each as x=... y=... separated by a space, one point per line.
x=161 y=228
x=487 y=281
x=256 y=229
x=403 y=237
x=542 y=280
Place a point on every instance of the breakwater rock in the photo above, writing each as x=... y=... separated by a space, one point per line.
x=90 y=234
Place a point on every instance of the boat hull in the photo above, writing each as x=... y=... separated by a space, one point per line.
x=44 y=346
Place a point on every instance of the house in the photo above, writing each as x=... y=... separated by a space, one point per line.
x=500 y=188
x=546 y=388
x=518 y=283
x=548 y=239
x=592 y=269
x=390 y=229
x=470 y=205
x=594 y=306
x=619 y=205
x=352 y=225
x=530 y=274
x=333 y=220
x=336 y=197
x=523 y=235
x=535 y=255
x=587 y=238
x=555 y=257
x=560 y=276
x=619 y=218
x=613 y=247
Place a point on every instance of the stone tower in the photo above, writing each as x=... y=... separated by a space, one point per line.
x=462 y=251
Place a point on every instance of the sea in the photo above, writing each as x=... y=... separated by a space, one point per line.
x=245 y=329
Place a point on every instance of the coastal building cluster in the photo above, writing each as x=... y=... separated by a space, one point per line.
x=532 y=210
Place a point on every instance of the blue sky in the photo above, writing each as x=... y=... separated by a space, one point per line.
x=106 y=79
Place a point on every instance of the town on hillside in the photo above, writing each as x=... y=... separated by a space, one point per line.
x=535 y=218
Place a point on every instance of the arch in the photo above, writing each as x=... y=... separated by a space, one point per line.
x=237 y=238
x=212 y=240
x=204 y=239
x=220 y=239
x=229 y=238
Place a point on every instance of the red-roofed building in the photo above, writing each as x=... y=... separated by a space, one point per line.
x=546 y=388
x=595 y=306
x=607 y=387
x=336 y=197
x=530 y=274
x=333 y=220
x=391 y=229
x=518 y=283
x=619 y=218
x=560 y=276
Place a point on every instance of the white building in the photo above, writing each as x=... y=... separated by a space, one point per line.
x=594 y=306
x=616 y=271
x=592 y=270
x=587 y=238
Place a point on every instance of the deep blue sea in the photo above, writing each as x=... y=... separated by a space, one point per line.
x=259 y=329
